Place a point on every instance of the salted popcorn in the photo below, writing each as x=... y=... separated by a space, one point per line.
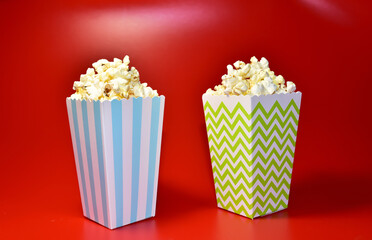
x=254 y=78
x=111 y=80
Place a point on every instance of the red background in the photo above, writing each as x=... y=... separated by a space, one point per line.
x=181 y=49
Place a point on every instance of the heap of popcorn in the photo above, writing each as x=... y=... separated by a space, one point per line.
x=253 y=78
x=111 y=80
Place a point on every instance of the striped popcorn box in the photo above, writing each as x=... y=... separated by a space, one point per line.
x=117 y=150
x=252 y=142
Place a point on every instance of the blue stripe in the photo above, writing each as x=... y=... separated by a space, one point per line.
x=136 y=149
x=97 y=122
x=77 y=138
x=89 y=156
x=155 y=111
x=117 y=130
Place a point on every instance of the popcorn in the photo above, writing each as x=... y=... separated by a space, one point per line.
x=94 y=92
x=76 y=96
x=254 y=78
x=111 y=80
x=269 y=85
x=240 y=87
x=264 y=63
x=291 y=87
x=254 y=59
x=258 y=89
x=279 y=80
x=90 y=72
x=101 y=65
x=78 y=85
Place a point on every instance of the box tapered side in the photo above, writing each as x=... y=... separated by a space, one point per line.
x=87 y=141
x=274 y=126
x=228 y=127
x=132 y=143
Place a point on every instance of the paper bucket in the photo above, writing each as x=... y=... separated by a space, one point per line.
x=252 y=142
x=117 y=150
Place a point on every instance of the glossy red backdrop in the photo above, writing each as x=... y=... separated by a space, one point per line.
x=181 y=48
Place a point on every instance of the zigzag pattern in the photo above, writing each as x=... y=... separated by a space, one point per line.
x=252 y=156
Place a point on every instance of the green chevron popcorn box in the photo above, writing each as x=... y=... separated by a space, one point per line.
x=252 y=143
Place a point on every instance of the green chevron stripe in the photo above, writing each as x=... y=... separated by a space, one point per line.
x=229 y=130
x=258 y=167
x=263 y=191
x=276 y=105
x=241 y=198
x=232 y=135
x=240 y=142
x=241 y=176
x=268 y=209
x=259 y=118
x=258 y=154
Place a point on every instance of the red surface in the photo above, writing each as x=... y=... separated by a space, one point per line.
x=181 y=49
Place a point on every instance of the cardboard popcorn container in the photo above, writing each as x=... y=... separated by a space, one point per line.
x=117 y=150
x=252 y=143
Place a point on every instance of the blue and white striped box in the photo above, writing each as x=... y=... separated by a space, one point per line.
x=117 y=150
